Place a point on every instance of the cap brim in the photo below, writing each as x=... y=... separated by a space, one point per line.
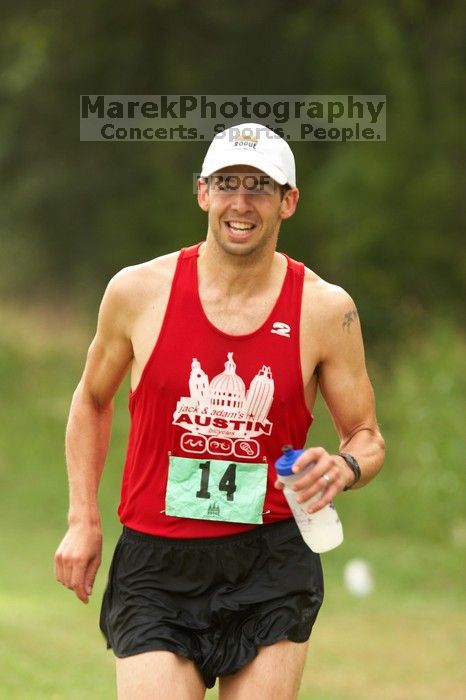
x=256 y=160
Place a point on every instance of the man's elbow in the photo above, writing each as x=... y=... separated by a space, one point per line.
x=87 y=398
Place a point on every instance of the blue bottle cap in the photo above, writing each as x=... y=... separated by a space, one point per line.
x=285 y=463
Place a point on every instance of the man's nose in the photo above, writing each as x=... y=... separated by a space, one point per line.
x=241 y=201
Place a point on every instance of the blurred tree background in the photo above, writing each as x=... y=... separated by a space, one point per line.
x=384 y=220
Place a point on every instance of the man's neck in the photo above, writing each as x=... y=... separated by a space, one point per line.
x=237 y=274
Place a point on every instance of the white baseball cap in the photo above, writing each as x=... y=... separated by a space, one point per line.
x=254 y=145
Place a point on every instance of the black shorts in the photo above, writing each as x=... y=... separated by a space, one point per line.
x=212 y=600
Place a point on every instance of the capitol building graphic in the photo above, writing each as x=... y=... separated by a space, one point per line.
x=224 y=408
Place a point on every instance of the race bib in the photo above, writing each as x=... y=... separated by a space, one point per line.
x=213 y=489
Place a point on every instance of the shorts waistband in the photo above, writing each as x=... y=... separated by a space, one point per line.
x=275 y=532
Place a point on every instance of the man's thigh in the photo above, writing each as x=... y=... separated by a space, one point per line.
x=158 y=675
x=274 y=674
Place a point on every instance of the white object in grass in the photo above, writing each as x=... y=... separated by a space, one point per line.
x=359 y=579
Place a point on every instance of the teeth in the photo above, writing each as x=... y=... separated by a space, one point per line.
x=240 y=226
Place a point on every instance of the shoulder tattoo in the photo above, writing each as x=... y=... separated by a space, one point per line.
x=348 y=319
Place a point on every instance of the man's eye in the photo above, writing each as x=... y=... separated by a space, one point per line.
x=218 y=186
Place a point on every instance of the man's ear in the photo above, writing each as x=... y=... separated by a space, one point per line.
x=289 y=203
x=203 y=194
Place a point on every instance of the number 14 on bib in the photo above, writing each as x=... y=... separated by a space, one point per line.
x=215 y=489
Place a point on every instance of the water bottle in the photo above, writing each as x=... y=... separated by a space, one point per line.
x=322 y=530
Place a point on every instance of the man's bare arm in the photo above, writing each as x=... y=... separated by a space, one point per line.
x=87 y=440
x=348 y=393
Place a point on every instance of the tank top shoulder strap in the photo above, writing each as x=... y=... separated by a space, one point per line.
x=295 y=266
x=290 y=300
x=191 y=251
x=184 y=280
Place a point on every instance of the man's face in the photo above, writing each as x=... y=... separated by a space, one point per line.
x=245 y=209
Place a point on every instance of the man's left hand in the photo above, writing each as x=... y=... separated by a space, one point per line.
x=329 y=475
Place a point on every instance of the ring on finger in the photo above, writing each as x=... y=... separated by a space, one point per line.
x=327 y=478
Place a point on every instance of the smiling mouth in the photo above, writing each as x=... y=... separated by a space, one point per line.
x=240 y=227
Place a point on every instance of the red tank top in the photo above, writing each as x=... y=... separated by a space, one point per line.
x=206 y=391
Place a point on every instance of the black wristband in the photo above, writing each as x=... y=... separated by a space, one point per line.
x=354 y=466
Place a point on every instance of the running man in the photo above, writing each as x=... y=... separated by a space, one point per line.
x=227 y=342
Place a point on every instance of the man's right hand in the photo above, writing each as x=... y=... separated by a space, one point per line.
x=78 y=558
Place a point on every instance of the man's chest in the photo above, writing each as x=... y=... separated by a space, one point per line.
x=235 y=317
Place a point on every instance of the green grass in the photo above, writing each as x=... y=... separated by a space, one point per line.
x=405 y=642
